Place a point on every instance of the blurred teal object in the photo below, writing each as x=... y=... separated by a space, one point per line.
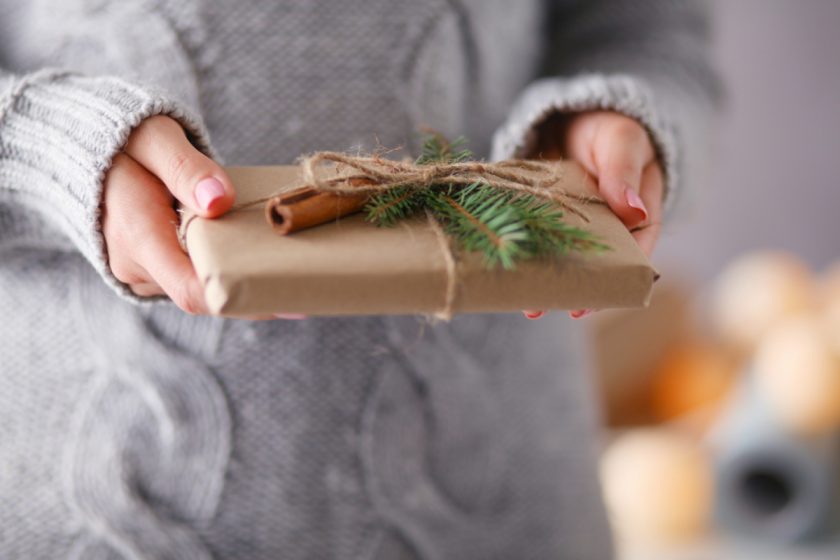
x=770 y=484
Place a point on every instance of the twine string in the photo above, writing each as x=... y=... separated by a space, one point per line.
x=374 y=174
x=445 y=313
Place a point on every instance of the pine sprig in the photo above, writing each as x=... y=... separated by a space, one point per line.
x=437 y=149
x=550 y=234
x=389 y=207
x=504 y=226
x=482 y=219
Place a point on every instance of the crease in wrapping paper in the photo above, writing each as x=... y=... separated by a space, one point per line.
x=352 y=267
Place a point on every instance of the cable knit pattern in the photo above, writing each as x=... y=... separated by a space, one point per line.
x=446 y=456
x=152 y=432
x=131 y=431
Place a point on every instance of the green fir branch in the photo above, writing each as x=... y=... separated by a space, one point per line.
x=389 y=207
x=481 y=219
x=437 y=149
x=503 y=225
x=550 y=234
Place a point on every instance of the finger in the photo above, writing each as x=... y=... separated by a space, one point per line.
x=289 y=316
x=162 y=256
x=124 y=268
x=581 y=313
x=147 y=289
x=150 y=239
x=267 y=317
x=260 y=317
x=620 y=152
x=128 y=191
x=160 y=145
x=533 y=314
x=579 y=141
x=651 y=192
x=173 y=271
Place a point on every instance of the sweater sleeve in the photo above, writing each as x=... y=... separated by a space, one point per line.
x=59 y=132
x=647 y=59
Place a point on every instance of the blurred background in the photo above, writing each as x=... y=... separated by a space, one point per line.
x=724 y=411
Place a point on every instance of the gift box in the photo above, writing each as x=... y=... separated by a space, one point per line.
x=352 y=267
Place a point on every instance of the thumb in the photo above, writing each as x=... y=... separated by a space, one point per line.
x=620 y=158
x=160 y=145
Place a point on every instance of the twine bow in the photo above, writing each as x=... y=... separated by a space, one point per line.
x=375 y=174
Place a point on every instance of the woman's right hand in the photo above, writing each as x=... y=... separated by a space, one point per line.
x=157 y=167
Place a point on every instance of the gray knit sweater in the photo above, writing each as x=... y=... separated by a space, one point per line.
x=131 y=430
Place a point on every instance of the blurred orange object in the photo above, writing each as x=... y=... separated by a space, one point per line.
x=692 y=378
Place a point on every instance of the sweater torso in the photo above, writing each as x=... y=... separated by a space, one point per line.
x=140 y=432
x=274 y=79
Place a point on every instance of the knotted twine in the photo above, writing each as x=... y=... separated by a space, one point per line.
x=374 y=174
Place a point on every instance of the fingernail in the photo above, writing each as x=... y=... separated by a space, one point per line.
x=580 y=313
x=533 y=314
x=290 y=316
x=635 y=201
x=208 y=191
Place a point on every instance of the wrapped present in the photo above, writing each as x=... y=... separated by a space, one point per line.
x=350 y=266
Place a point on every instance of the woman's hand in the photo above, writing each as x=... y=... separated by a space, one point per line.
x=618 y=152
x=158 y=166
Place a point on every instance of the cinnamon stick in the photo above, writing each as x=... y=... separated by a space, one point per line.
x=306 y=207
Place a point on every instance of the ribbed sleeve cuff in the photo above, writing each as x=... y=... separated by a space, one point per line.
x=624 y=94
x=59 y=133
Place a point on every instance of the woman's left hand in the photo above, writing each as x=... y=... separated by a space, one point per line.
x=617 y=151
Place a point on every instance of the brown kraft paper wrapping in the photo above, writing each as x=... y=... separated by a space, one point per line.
x=351 y=267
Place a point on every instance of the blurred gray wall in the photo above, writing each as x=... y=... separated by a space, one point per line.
x=775 y=177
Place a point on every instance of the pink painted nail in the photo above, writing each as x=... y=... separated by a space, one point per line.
x=533 y=314
x=208 y=191
x=635 y=201
x=580 y=313
x=290 y=316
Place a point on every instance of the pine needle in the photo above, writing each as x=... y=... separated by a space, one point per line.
x=481 y=220
x=437 y=149
x=387 y=208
